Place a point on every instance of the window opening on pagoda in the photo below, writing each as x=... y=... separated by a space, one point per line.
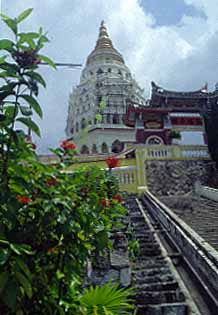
x=115 y=119
x=104 y=148
x=119 y=72
x=99 y=98
x=84 y=149
x=94 y=148
x=100 y=71
x=77 y=127
x=83 y=123
x=109 y=70
x=108 y=118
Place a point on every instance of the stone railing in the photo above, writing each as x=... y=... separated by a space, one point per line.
x=205 y=191
x=131 y=173
x=175 y=152
x=127 y=178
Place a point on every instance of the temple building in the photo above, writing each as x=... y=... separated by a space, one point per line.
x=97 y=106
x=108 y=113
x=171 y=115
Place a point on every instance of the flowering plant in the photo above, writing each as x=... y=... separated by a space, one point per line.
x=112 y=162
x=49 y=222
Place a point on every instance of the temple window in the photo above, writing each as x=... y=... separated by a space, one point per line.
x=100 y=71
x=116 y=119
x=104 y=148
x=83 y=123
x=109 y=70
x=94 y=149
x=84 y=149
x=119 y=72
x=108 y=118
x=77 y=127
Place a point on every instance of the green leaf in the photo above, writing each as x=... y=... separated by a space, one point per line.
x=11 y=111
x=2 y=59
x=11 y=68
x=30 y=124
x=102 y=104
x=3 y=280
x=6 y=44
x=24 y=15
x=4 y=254
x=33 y=104
x=47 y=60
x=10 y=294
x=25 y=284
x=15 y=248
x=37 y=77
x=98 y=117
x=12 y=24
x=23 y=266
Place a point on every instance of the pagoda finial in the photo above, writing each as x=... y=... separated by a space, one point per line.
x=102 y=23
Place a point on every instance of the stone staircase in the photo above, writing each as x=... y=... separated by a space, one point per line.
x=156 y=289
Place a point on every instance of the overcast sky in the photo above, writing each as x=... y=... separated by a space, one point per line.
x=171 y=42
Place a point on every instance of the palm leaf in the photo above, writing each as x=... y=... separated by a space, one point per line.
x=107 y=300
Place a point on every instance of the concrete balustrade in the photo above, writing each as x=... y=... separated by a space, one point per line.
x=208 y=192
x=131 y=173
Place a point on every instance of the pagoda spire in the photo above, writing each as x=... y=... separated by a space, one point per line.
x=104 y=47
x=104 y=40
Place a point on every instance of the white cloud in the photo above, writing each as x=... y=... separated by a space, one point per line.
x=181 y=56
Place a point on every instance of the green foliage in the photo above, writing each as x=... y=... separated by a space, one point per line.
x=174 y=134
x=50 y=220
x=107 y=300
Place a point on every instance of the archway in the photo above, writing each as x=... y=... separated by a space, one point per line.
x=84 y=149
x=94 y=149
x=117 y=146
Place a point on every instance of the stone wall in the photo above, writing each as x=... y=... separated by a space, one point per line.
x=166 y=178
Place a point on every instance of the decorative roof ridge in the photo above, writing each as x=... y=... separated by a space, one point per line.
x=158 y=89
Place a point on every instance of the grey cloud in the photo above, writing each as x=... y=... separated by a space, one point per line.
x=181 y=56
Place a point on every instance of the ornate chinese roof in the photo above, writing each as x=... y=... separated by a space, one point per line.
x=179 y=94
x=104 y=48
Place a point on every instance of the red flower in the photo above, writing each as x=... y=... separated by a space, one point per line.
x=52 y=250
x=67 y=145
x=118 y=198
x=28 y=140
x=51 y=182
x=33 y=146
x=112 y=162
x=104 y=202
x=25 y=200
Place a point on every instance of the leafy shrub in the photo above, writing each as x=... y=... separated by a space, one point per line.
x=50 y=220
